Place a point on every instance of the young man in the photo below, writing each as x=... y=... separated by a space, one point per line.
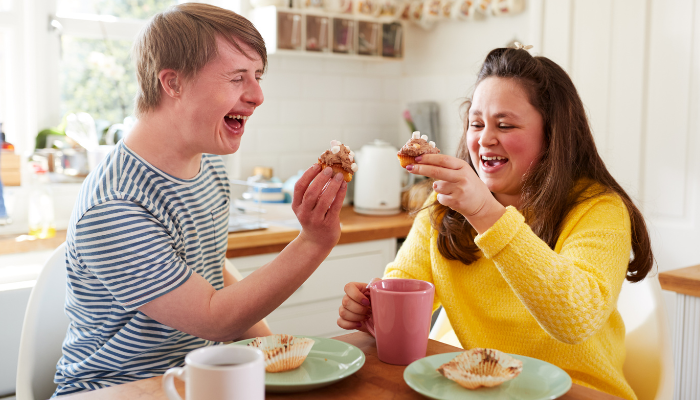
x=147 y=240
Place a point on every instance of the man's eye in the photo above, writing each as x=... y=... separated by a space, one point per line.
x=237 y=79
x=505 y=126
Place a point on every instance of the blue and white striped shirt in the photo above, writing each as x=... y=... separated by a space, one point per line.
x=136 y=233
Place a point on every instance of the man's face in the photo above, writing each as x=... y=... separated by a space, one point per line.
x=220 y=98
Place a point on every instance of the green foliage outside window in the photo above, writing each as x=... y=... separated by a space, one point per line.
x=97 y=76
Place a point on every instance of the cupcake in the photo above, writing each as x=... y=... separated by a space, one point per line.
x=418 y=145
x=283 y=352
x=481 y=367
x=340 y=158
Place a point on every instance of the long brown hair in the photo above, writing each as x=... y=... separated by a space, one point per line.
x=569 y=157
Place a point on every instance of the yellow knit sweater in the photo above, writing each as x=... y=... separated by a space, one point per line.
x=524 y=298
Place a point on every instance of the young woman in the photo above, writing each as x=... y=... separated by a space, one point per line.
x=527 y=237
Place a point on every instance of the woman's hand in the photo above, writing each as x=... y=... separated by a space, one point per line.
x=355 y=307
x=318 y=198
x=459 y=188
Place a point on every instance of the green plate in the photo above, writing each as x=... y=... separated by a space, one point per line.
x=539 y=380
x=328 y=362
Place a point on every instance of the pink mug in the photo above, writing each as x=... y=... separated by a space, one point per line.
x=400 y=321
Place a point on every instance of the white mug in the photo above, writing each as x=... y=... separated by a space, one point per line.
x=218 y=373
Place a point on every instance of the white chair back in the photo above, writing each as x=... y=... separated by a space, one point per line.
x=43 y=331
x=649 y=362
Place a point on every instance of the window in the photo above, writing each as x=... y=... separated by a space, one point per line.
x=127 y=9
x=96 y=73
x=61 y=56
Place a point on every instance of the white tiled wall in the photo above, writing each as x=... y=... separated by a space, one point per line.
x=310 y=101
x=442 y=64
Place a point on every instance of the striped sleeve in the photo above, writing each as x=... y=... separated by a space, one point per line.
x=130 y=252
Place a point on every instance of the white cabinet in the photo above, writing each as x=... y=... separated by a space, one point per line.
x=313 y=309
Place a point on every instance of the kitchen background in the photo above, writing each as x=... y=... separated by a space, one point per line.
x=635 y=63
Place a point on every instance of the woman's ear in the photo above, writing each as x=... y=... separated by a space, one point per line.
x=170 y=82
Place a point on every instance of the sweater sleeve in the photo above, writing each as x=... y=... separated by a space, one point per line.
x=413 y=260
x=570 y=292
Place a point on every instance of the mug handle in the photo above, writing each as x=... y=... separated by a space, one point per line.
x=169 y=384
x=370 y=321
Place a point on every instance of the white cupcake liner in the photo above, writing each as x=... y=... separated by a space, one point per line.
x=283 y=352
x=481 y=367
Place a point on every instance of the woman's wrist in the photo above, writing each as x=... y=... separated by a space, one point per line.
x=487 y=216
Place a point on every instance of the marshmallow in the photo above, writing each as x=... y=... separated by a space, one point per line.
x=335 y=143
x=416 y=135
x=352 y=154
x=335 y=149
x=353 y=167
x=432 y=144
x=424 y=137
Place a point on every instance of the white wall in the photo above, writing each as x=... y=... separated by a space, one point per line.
x=441 y=65
x=310 y=101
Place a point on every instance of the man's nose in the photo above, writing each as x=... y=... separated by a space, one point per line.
x=253 y=94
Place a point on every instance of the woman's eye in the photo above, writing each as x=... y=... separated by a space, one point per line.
x=505 y=126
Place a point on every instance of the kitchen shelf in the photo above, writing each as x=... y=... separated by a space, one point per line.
x=311 y=32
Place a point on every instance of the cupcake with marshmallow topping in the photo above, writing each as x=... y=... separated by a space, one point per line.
x=340 y=158
x=416 y=146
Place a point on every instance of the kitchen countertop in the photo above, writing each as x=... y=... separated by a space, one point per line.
x=354 y=228
x=684 y=281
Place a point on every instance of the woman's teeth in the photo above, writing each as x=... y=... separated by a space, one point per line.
x=243 y=117
x=493 y=161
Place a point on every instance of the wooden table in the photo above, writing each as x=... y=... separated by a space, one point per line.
x=686 y=346
x=375 y=380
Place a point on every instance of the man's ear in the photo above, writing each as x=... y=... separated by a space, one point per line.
x=170 y=82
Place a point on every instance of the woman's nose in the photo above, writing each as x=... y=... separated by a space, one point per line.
x=488 y=137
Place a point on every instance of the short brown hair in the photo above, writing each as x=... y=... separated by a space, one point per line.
x=569 y=157
x=183 y=38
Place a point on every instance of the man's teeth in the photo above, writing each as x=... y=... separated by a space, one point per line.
x=494 y=158
x=243 y=117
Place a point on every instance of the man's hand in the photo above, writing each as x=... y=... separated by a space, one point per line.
x=318 y=198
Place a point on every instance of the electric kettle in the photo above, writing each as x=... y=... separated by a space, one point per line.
x=378 y=179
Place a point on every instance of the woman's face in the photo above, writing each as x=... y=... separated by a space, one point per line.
x=505 y=136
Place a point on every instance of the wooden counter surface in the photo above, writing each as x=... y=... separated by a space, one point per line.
x=685 y=280
x=355 y=228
